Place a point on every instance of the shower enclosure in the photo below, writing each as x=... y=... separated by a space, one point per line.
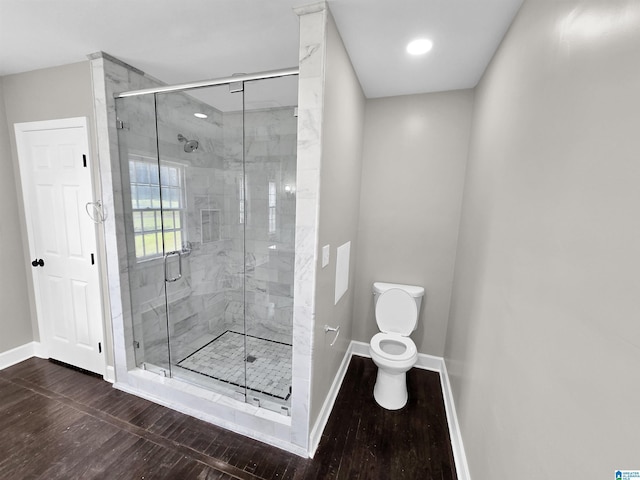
x=208 y=188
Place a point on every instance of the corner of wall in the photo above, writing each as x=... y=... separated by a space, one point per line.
x=16 y=321
x=335 y=181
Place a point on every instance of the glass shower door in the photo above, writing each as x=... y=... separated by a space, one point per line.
x=143 y=231
x=208 y=187
x=270 y=146
x=202 y=190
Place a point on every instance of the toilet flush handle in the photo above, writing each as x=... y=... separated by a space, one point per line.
x=328 y=329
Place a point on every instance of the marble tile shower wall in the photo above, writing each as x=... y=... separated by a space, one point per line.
x=211 y=296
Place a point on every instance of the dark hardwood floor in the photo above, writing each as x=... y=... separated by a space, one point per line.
x=59 y=423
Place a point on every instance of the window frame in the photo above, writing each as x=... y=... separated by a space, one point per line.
x=272 y=199
x=173 y=191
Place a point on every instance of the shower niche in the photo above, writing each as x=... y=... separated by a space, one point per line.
x=208 y=190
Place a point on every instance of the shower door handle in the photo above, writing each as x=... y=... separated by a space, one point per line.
x=166 y=273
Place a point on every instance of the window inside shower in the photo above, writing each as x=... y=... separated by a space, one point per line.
x=157 y=212
x=205 y=202
x=272 y=207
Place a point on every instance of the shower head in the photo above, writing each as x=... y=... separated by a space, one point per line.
x=189 y=145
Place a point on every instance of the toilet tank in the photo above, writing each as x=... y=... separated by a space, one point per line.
x=415 y=291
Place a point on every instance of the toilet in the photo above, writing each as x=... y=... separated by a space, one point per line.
x=396 y=309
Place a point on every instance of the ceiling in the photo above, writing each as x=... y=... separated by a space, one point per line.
x=179 y=41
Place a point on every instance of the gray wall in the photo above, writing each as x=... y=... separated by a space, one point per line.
x=343 y=120
x=47 y=94
x=15 y=319
x=543 y=346
x=415 y=153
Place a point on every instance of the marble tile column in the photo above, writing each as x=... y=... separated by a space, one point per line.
x=310 y=100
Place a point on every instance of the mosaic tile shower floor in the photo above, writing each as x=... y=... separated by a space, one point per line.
x=268 y=363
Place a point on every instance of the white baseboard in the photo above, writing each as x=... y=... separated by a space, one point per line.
x=110 y=374
x=36 y=349
x=359 y=348
x=20 y=354
x=323 y=418
x=459 y=456
x=429 y=362
x=39 y=350
x=426 y=362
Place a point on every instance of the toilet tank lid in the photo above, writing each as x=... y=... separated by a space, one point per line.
x=413 y=290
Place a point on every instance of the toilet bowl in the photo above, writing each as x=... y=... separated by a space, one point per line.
x=394 y=353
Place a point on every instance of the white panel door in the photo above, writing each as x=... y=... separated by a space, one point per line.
x=56 y=184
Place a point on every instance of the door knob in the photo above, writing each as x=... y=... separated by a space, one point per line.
x=38 y=262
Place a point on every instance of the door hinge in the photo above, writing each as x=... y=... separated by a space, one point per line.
x=99 y=347
x=93 y=260
x=84 y=160
x=120 y=125
x=136 y=344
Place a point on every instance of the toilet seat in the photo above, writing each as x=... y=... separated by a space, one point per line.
x=396 y=312
x=410 y=348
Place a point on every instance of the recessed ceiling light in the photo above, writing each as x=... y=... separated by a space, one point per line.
x=200 y=115
x=419 y=46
